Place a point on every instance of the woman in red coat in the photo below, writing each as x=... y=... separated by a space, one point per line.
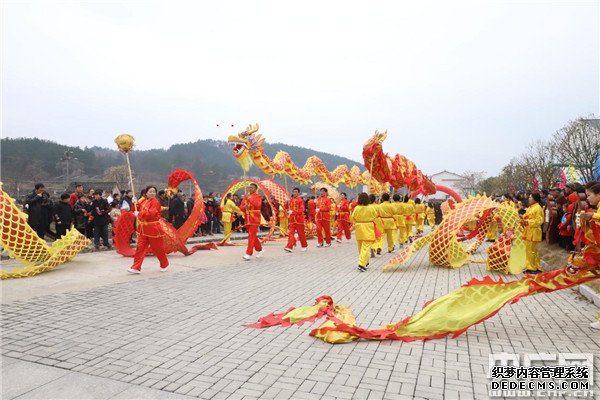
x=150 y=233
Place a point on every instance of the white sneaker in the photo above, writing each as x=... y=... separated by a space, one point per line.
x=134 y=271
x=246 y=257
x=304 y=248
x=165 y=269
x=338 y=240
x=595 y=325
x=259 y=254
x=328 y=245
x=288 y=249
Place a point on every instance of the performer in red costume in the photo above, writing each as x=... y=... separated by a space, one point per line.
x=311 y=206
x=323 y=218
x=149 y=232
x=343 y=218
x=296 y=212
x=251 y=208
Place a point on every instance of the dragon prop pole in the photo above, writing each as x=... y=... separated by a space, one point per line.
x=125 y=144
x=130 y=174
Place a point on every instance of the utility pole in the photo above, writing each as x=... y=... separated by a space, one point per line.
x=68 y=156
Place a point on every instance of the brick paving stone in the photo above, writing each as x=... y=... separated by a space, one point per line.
x=185 y=333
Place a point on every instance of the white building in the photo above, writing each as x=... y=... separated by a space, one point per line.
x=449 y=179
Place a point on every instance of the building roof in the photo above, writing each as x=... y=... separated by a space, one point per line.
x=448 y=172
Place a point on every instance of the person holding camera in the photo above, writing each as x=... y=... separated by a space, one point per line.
x=39 y=209
x=101 y=219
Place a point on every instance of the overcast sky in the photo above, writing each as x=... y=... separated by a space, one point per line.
x=458 y=85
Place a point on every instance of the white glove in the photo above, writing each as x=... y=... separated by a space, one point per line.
x=136 y=213
x=317 y=210
x=290 y=212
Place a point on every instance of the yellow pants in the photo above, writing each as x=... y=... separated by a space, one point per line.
x=378 y=243
x=431 y=220
x=420 y=223
x=283 y=226
x=402 y=235
x=409 y=228
x=532 y=257
x=364 y=251
x=226 y=230
x=390 y=234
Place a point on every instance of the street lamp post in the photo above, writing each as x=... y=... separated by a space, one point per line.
x=68 y=156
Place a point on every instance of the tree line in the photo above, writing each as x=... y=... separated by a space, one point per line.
x=574 y=148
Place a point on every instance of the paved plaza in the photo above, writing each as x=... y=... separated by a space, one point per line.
x=90 y=330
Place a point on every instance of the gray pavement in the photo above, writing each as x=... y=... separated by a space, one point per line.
x=89 y=330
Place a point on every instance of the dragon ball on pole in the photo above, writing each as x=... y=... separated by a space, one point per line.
x=125 y=143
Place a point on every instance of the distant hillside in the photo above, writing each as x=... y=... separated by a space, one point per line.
x=211 y=161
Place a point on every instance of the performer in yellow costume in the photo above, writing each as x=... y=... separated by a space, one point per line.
x=363 y=217
x=283 y=221
x=419 y=215
x=409 y=209
x=400 y=219
x=229 y=208
x=378 y=243
x=386 y=211
x=532 y=222
x=430 y=213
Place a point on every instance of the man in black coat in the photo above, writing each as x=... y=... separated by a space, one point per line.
x=100 y=210
x=63 y=215
x=39 y=208
x=177 y=211
x=80 y=210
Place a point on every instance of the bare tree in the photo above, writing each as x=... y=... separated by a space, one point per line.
x=514 y=175
x=539 y=160
x=578 y=144
x=470 y=182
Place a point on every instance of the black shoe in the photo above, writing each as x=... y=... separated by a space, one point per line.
x=378 y=252
x=533 y=271
x=362 y=269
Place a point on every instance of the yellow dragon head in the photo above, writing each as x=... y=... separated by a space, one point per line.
x=245 y=143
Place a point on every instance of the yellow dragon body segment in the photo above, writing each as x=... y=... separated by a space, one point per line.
x=247 y=148
x=22 y=243
x=506 y=255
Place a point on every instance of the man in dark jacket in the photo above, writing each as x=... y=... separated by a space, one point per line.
x=62 y=214
x=128 y=198
x=190 y=207
x=81 y=214
x=39 y=208
x=164 y=204
x=100 y=210
x=177 y=211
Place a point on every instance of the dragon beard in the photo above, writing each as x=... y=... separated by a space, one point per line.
x=245 y=161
